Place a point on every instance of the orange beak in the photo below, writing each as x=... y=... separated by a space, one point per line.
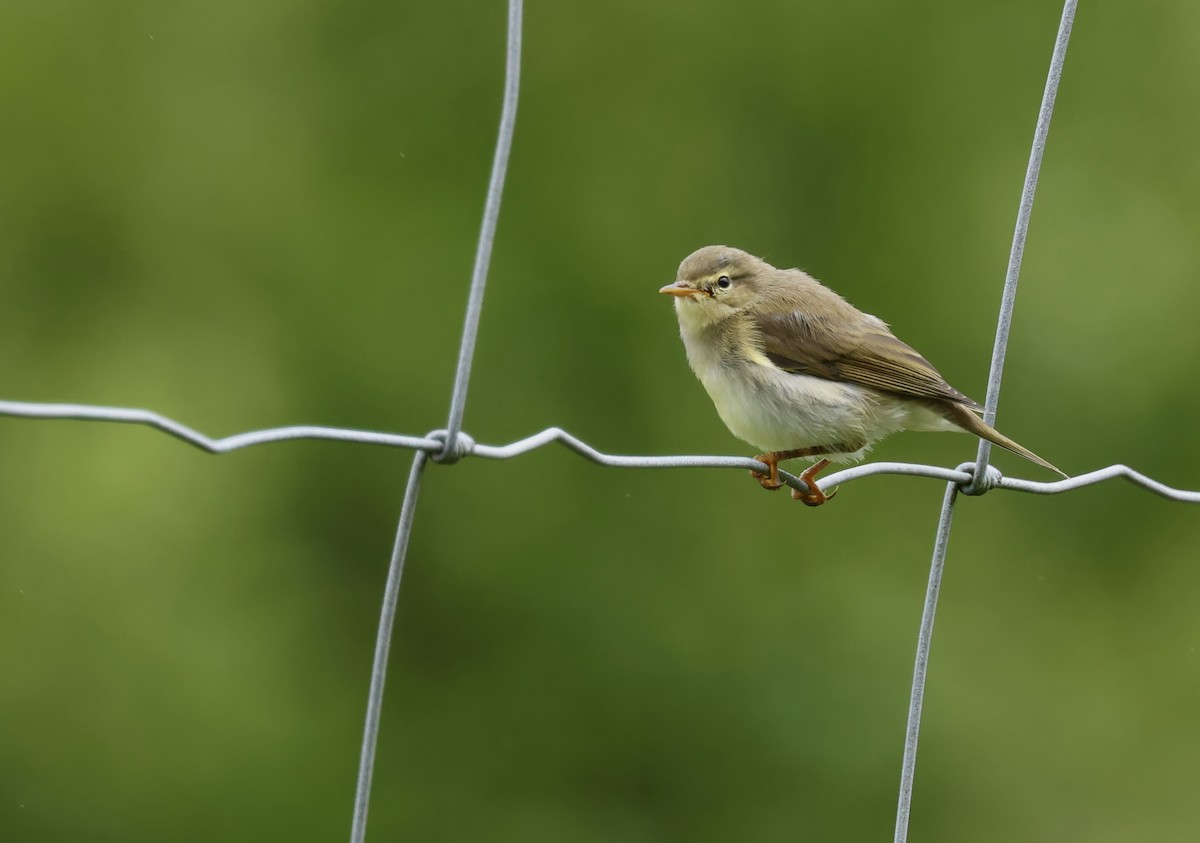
x=681 y=289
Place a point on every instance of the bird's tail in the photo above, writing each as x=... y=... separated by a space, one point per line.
x=966 y=419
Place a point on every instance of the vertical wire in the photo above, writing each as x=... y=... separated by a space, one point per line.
x=1009 y=297
x=458 y=400
x=487 y=232
x=924 y=639
x=1007 y=302
x=383 y=639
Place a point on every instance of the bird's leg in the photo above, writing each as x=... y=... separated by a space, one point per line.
x=771 y=480
x=814 y=496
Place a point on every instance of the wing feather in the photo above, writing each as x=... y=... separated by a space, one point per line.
x=864 y=352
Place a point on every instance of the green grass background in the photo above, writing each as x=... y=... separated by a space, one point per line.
x=245 y=215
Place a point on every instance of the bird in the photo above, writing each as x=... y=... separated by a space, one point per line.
x=797 y=371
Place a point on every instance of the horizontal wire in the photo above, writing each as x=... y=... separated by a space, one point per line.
x=122 y=415
x=434 y=442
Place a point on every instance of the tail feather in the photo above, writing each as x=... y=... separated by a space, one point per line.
x=966 y=419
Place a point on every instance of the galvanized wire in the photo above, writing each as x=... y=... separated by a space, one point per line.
x=432 y=443
x=916 y=700
x=452 y=444
x=981 y=479
x=1008 y=298
x=383 y=641
x=487 y=234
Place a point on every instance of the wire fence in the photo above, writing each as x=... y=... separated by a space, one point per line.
x=452 y=444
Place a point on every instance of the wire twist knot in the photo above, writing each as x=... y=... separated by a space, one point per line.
x=979 y=485
x=451 y=452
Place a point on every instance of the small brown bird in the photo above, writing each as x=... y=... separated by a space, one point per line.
x=797 y=371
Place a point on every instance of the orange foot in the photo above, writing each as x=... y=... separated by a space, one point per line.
x=814 y=496
x=770 y=480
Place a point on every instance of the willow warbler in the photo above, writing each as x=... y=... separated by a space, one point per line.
x=797 y=371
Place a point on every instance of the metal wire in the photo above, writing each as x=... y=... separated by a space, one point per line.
x=487 y=234
x=1008 y=298
x=433 y=443
x=452 y=444
x=981 y=478
x=917 y=699
x=383 y=641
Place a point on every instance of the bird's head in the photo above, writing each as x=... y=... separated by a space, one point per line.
x=714 y=283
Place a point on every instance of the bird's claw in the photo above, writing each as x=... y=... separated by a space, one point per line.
x=814 y=496
x=768 y=480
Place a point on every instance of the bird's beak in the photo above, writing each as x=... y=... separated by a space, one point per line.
x=679 y=288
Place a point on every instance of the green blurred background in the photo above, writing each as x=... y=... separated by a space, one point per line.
x=245 y=215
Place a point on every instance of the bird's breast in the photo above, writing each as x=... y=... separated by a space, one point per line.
x=775 y=410
x=778 y=411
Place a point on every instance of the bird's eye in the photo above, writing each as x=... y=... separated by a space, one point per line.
x=723 y=282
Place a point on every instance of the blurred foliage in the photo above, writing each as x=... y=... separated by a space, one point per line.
x=249 y=215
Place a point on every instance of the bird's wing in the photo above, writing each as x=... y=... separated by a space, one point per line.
x=865 y=353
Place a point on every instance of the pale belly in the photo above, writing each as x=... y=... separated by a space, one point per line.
x=774 y=410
